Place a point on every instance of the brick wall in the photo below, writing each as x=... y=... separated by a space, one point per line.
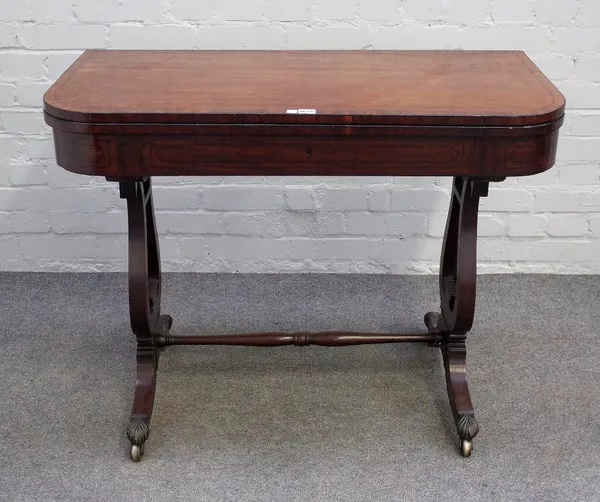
x=53 y=220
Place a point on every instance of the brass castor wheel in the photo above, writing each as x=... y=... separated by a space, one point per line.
x=466 y=447
x=137 y=451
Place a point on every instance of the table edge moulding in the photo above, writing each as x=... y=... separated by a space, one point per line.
x=477 y=116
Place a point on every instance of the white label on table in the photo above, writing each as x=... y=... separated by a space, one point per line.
x=303 y=111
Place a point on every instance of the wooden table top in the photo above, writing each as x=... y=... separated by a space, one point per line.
x=449 y=88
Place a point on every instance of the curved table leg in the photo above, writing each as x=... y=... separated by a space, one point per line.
x=144 y=306
x=458 y=274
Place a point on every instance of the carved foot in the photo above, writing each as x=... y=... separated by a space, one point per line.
x=137 y=433
x=138 y=430
x=467 y=427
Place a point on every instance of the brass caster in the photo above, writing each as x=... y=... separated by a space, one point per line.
x=136 y=452
x=466 y=447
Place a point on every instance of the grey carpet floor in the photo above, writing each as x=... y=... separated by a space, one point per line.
x=367 y=423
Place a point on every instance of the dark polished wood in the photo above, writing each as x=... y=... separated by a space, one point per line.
x=321 y=151
x=458 y=280
x=376 y=113
x=301 y=339
x=474 y=88
x=478 y=117
x=144 y=303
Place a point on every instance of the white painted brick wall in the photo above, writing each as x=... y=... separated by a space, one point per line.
x=54 y=220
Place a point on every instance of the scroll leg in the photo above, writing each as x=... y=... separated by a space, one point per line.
x=148 y=325
x=458 y=276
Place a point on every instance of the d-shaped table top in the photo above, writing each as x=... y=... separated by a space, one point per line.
x=483 y=88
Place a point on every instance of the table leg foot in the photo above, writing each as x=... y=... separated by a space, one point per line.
x=137 y=432
x=455 y=364
x=467 y=427
x=138 y=429
x=454 y=352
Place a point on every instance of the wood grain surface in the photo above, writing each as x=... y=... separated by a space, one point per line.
x=130 y=114
x=483 y=88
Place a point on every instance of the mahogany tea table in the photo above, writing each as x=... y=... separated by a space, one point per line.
x=478 y=117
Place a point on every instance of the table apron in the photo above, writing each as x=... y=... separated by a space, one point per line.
x=129 y=156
